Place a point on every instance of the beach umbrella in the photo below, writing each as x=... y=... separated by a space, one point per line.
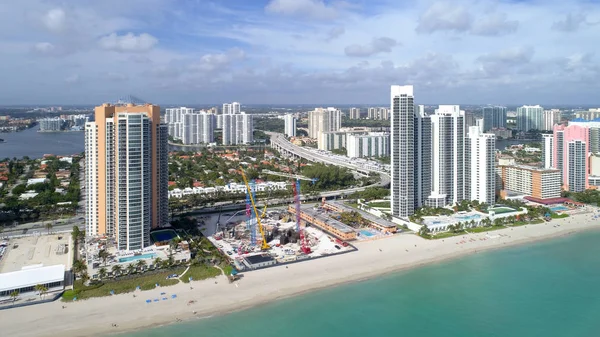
x=112 y=292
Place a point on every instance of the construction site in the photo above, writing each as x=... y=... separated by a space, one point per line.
x=271 y=237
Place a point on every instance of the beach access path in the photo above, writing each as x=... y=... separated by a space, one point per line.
x=98 y=316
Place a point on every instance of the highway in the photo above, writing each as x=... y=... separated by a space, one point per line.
x=279 y=141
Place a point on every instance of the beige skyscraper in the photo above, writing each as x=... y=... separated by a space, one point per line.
x=126 y=173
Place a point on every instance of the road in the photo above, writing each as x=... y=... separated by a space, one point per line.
x=279 y=141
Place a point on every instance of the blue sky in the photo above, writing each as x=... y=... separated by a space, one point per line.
x=299 y=51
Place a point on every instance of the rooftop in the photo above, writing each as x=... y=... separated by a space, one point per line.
x=47 y=250
x=254 y=259
x=322 y=215
x=31 y=277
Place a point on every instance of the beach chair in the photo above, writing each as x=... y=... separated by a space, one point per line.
x=164 y=298
x=173 y=296
x=148 y=301
x=156 y=300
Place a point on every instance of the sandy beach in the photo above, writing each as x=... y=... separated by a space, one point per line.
x=95 y=317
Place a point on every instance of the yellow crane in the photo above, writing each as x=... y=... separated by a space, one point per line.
x=264 y=245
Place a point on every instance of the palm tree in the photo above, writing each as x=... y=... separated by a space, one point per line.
x=14 y=295
x=157 y=263
x=102 y=272
x=130 y=268
x=141 y=264
x=116 y=269
x=79 y=266
x=41 y=289
x=49 y=227
x=85 y=277
x=103 y=255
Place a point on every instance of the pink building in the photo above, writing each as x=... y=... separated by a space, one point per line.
x=570 y=155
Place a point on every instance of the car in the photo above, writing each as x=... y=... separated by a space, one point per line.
x=338 y=247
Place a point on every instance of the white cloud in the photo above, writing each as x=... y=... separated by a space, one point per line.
x=444 y=16
x=55 y=20
x=128 y=42
x=377 y=45
x=309 y=9
x=495 y=24
x=570 y=23
x=334 y=33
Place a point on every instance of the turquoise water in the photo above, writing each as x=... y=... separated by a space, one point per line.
x=545 y=289
x=366 y=233
x=468 y=217
x=559 y=208
x=138 y=257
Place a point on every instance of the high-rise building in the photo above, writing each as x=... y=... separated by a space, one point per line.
x=51 y=124
x=594 y=129
x=447 y=156
x=551 y=117
x=548 y=151
x=332 y=140
x=380 y=113
x=174 y=120
x=323 y=120
x=126 y=173
x=403 y=180
x=590 y=114
x=290 y=125
x=530 y=118
x=528 y=180
x=494 y=117
x=354 y=113
x=422 y=155
x=238 y=127
x=571 y=150
x=190 y=127
x=470 y=120
x=480 y=166
x=374 y=144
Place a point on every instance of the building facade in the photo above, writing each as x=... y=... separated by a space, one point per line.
x=528 y=180
x=238 y=127
x=447 y=156
x=51 y=124
x=332 y=140
x=354 y=113
x=551 y=117
x=323 y=120
x=480 y=166
x=126 y=173
x=375 y=144
x=548 y=151
x=530 y=117
x=402 y=138
x=290 y=125
x=494 y=117
x=571 y=150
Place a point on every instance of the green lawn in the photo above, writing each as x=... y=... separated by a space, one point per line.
x=380 y=204
x=501 y=210
x=145 y=282
x=559 y=216
x=200 y=272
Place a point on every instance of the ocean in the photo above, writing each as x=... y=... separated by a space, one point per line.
x=545 y=289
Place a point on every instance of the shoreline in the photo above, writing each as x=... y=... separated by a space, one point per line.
x=216 y=297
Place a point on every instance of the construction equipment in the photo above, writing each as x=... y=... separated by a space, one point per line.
x=304 y=246
x=264 y=245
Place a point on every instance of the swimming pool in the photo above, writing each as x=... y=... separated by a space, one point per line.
x=366 y=233
x=137 y=257
x=559 y=208
x=468 y=217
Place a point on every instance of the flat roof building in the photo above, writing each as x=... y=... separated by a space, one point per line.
x=536 y=182
x=25 y=280
x=321 y=220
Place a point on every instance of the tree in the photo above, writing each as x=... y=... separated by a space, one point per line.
x=158 y=263
x=102 y=273
x=116 y=269
x=75 y=233
x=41 y=289
x=85 y=277
x=103 y=255
x=14 y=295
x=130 y=268
x=424 y=231
x=141 y=264
x=79 y=266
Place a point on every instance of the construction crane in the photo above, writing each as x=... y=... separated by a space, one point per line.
x=303 y=239
x=264 y=245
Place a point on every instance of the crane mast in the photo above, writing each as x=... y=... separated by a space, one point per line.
x=304 y=246
x=264 y=245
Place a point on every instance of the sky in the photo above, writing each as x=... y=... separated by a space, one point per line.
x=299 y=51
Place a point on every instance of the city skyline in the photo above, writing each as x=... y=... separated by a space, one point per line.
x=301 y=51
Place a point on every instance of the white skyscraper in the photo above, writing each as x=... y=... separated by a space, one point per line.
x=548 y=151
x=403 y=180
x=447 y=156
x=323 y=120
x=374 y=144
x=354 y=113
x=480 y=166
x=551 y=117
x=290 y=125
x=530 y=118
x=238 y=127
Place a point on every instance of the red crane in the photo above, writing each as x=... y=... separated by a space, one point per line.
x=304 y=246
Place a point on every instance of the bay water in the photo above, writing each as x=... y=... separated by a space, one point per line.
x=548 y=288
